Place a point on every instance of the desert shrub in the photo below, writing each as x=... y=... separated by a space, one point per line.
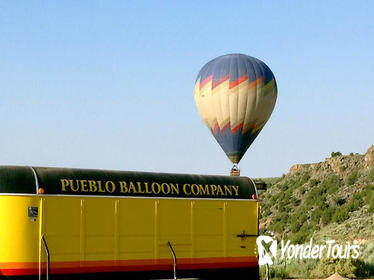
x=281 y=217
x=314 y=194
x=265 y=212
x=331 y=184
x=299 y=237
x=283 y=208
x=297 y=219
x=341 y=214
x=295 y=226
x=283 y=187
x=327 y=215
x=305 y=178
x=275 y=272
x=278 y=227
x=336 y=154
x=293 y=184
x=304 y=233
x=299 y=215
x=302 y=190
x=351 y=268
x=287 y=196
x=369 y=197
x=367 y=253
x=371 y=174
x=343 y=168
x=366 y=196
x=355 y=203
x=295 y=202
x=352 y=178
x=320 y=203
x=314 y=182
x=371 y=204
x=278 y=273
x=301 y=268
x=318 y=166
x=273 y=199
x=316 y=215
x=279 y=223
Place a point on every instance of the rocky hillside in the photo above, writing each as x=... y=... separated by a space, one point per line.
x=333 y=199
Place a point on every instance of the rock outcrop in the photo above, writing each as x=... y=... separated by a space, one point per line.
x=369 y=157
x=339 y=164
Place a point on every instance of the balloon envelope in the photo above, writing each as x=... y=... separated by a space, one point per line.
x=235 y=95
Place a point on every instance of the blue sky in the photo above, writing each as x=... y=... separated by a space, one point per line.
x=109 y=84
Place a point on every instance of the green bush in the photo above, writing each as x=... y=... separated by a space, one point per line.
x=296 y=202
x=304 y=234
x=273 y=199
x=279 y=223
x=283 y=187
x=266 y=213
x=278 y=273
x=352 y=178
x=369 y=197
x=341 y=214
x=320 y=203
x=298 y=219
x=295 y=226
x=316 y=215
x=371 y=174
x=278 y=227
x=300 y=269
x=275 y=272
x=299 y=215
x=356 y=202
x=342 y=168
x=299 y=237
x=371 y=204
x=367 y=253
x=336 y=154
x=351 y=268
x=314 y=194
x=314 y=182
x=302 y=190
x=305 y=178
x=331 y=184
x=327 y=215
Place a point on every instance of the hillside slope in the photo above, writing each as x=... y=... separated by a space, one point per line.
x=333 y=199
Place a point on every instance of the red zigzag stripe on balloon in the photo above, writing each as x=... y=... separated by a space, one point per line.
x=233 y=83
x=207 y=80
x=235 y=129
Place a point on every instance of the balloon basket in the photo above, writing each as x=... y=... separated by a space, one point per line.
x=235 y=171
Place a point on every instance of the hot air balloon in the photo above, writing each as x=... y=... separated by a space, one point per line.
x=235 y=95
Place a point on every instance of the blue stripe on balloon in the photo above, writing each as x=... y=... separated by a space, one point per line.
x=236 y=66
x=235 y=143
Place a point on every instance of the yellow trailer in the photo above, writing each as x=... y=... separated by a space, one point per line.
x=75 y=224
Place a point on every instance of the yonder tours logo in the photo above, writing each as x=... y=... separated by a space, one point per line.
x=267 y=250
x=263 y=253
